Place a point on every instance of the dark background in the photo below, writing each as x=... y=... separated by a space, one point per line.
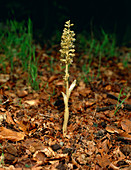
x=49 y=16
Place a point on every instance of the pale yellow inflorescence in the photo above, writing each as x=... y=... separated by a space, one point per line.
x=67 y=47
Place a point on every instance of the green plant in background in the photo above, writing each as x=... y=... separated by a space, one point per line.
x=126 y=59
x=56 y=38
x=95 y=50
x=33 y=72
x=104 y=44
x=86 y=77
x=85 y=71
x=16 y=43
x=108 y=46
x=82 y=40
x=51 y=61
x=10 y=42
x=92 y=46
x=26 y=48
x=119 y=104
x=31 y=63
x=67 y=53
x=99 y=65
x=27 y=166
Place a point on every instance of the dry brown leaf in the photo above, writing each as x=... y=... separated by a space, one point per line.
x=126 y=125
x=2 y=117
x=44 y=155
x=32 y=102
x=11 y=149
x=103 y=161
x=108 y=73
x=114 y=167
x=33 y=145
x=119 y=154
x=52 y=78
x=84 y=91
x=37 y=168
x=113 y=129
x=22 y=127
x=89 y=103
x=9 y=118
x=4 y=78
x=60 y=83
x=10 y=134
x=75 y=163
x=125 y=136
x=105 y=145
x=108 y=87
x=40 y=157
x=22 y=93
x=91 y=147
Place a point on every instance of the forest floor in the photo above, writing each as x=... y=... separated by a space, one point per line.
x=99 y=128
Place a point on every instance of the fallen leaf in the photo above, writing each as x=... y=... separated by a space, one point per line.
x=108 y=73
x=2 y=117
x=119 y=154
x=4 y=78
x=22 y=93
x=32 y=102
x=108 y=87
x=103 y=161
x=52 y=78
x=40 y=157
x=22 y=127
x=10 y=134
x=60 y=83
x=125 y=136
x=91 y=147
x=33 y=145
x=47 y=155
x=105 y=145
x=9 y=118
x=89 y=103
x=11 y=149
x=113 y=129
x=126 y=125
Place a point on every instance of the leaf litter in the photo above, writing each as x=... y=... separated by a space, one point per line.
x=31 y=121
